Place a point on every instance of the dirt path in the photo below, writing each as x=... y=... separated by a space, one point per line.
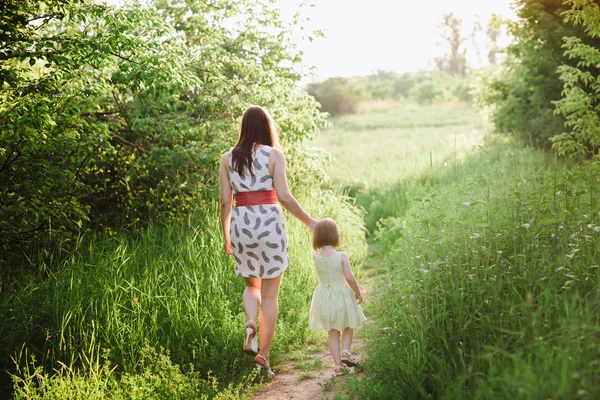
x=309 y=375
x=309 y=379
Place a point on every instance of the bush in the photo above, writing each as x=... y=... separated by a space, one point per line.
x=521 y=95
x=581 y=93
x=336 y=95
x=96 y=125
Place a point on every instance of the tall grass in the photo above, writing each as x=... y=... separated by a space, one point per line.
x=166 y=296
x=490 y=287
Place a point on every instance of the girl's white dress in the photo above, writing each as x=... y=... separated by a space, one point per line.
x=333 y=304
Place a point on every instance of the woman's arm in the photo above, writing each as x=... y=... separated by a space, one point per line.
x=226 y=201
x=350 y=278
x=287 y=200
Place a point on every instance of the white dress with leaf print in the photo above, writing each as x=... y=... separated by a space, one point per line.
x=258 y=237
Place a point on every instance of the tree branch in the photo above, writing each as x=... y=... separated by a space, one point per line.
x=8 y=160
x=121 y=139
x=81 y=164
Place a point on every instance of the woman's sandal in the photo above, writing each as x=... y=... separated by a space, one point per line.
x=339 y=370
x=264 y=369
x=347 y=359
x=250 y=339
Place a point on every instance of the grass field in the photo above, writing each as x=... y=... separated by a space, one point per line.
x=484 y=284
x=379 y=153
x=398 y=141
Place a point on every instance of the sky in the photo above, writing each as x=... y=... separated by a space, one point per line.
x=397 y=35
x=401 y=35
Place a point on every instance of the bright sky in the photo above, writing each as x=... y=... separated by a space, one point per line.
x=398 y=35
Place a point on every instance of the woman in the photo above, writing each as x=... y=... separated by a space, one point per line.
x=254 y=231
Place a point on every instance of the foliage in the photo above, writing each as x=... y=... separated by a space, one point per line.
x=336 y=95
x=580 y=104
x=122 y=113
x=520 y=96
x=383 y=85
x=160 y=379
x=489 y=288
x=119 y=118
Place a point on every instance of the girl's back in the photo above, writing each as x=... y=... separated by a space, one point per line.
x=329 y=269
x=333 y=305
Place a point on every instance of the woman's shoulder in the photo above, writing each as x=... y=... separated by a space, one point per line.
x=225 y=156
x=275 y=151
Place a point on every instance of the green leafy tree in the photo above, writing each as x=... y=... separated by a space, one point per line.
x=43 y=147
x=124 y=112
x=521 y=94
x=337 y=95
x=580 y=104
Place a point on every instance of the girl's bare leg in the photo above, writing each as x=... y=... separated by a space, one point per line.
x=334 y=346
x=347 y=334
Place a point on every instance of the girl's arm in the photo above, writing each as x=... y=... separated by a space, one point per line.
x=226 y=201
x=287 y=200
x=350 y=277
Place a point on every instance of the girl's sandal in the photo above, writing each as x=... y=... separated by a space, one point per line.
x=339 y=370
x=264 y=369
x=250 y=339
x=347 y=359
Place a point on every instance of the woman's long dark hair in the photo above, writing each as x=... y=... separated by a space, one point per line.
x=257 y=128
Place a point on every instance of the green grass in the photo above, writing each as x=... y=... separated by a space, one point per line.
x=379 y=153
x=490 y=285
x=379 y=147
x=171 y=290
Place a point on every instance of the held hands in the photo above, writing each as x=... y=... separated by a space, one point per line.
x=228 y=248
x=359 y=298
x=311 y=224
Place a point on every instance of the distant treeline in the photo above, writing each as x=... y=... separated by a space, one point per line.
x=342 y=95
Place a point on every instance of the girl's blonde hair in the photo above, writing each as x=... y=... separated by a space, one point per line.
x=326 y=233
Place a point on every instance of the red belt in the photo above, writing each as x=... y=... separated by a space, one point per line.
x=255 y=198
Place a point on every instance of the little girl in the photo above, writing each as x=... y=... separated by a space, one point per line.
x=335 y=304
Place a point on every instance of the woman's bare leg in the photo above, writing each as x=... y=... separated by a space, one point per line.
x=251 y=298
x=334 y=346
x=269 y=310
